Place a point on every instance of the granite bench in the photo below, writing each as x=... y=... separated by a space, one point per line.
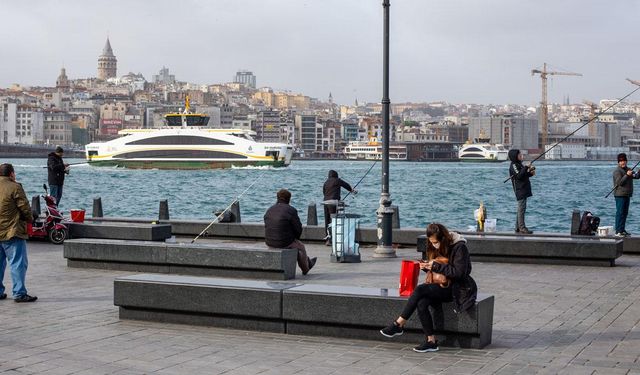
x=582 y=250
x=293 y=308
x=120 y=231
x=226 y=260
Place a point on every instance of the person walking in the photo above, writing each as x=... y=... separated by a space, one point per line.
x=623 y=190
x=282 y=229
x=57 y=168
x=331 y=191
x=15 y=213
x=447 y=255
x=520 y=175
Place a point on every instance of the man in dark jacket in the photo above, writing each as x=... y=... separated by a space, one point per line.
x=521 y=187
x=282 y=229
x=623 y=183
x=331 y=191
x=15 y=213
x=57 y=169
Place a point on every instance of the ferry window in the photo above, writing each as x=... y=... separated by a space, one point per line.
x=473 y=149
x=179 y=140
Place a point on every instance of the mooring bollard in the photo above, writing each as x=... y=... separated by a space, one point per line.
x=35 y=204
x=97 y=207
x=312 y=214
x=395 y=219
x=235 y=212
x=575 y=222
x=163 y=213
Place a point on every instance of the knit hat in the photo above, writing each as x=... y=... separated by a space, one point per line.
x=622 y=157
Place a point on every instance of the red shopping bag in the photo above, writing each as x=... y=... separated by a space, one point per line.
x=409 y=272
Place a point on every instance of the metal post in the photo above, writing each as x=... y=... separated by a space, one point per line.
x=385 y=212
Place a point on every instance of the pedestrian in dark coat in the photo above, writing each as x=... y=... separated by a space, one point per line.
x=57 y=168
x=331 y=191
x=623 y=178
x=520 y=174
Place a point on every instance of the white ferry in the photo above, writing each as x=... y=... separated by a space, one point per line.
x=482 y=150
x=186 y=143
x=372 y=150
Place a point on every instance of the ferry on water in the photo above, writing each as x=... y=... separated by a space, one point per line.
x=372 y=150
x=482 y=150
x=187 y=143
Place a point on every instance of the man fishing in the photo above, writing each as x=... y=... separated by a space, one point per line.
x=519 y=175
x=57 y=168
x=623 y=190
x=331 y=191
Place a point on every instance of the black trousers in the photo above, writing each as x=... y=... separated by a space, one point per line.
x=423 y=296
x=328 y=211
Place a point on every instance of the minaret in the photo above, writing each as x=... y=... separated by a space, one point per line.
x=107 y=63
x=62 y=83
x=330 y=98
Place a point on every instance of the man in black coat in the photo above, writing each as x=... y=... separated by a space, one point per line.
x=282 y=230
x=56 y=171
x=331 y=191
x=521 y=187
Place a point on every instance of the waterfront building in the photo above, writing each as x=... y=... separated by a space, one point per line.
x=226 y=116
x=565 y=151
x=107 y=63
x=511 y=131
x=349 y=130
x=305 y=132
x=57 y=127
x=267 y=126
x=246 y=78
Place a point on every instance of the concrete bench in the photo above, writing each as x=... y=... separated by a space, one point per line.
x=120 y=231
x=226 y=260
x=300 y=309
x=581 y=250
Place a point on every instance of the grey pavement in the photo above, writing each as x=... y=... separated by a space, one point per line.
x=548 y=320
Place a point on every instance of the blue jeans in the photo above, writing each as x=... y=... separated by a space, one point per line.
x=622 y=210
x=56 y=192
x=14 y=251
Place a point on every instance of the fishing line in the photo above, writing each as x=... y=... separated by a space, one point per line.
x=582 y=126
x=217 y=218
x=623 y=178
x=365 y=175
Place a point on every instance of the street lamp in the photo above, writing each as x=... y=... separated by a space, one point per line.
x=385 y=212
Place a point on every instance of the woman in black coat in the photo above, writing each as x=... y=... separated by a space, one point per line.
x=461 y=288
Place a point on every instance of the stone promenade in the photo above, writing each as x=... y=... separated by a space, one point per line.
x=548 y=320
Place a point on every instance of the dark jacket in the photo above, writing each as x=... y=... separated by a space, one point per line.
x=520 y=176
x=15 y=212
x=458 y=270
x=282 y=225
x=622 y=182
x=55 y=166
x=331 y=188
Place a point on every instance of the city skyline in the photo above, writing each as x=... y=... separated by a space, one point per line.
x=460 y=53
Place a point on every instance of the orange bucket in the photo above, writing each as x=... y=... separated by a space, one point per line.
x=77 y=215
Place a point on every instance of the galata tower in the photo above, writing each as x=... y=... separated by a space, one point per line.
x=107 y=63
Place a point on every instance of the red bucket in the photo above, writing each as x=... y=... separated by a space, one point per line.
x=77 y=216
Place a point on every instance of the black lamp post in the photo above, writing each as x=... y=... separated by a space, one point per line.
x=385 y=212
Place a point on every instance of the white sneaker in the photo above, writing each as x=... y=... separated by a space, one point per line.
x=618 y=234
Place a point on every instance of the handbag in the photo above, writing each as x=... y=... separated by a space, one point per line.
x=409 y=272
x=438 y=278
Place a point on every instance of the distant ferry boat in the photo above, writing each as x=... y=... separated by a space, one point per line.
x=482 y=150
x=372 y=150
x=186 y=143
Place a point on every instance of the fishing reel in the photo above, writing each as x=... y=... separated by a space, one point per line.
x=531 y=168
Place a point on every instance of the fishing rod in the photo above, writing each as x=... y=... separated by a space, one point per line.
x=582 y=126
x=621 y=180
x=365 y=175
x=46 y=166
x=217 y=218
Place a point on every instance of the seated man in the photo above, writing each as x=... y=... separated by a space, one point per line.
x=282 y=229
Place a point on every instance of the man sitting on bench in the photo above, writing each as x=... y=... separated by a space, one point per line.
x=282 y=229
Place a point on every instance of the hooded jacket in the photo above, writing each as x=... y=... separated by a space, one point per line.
x=282 y=225
x=519 y=176
x=331 y=188
x=15 y=211
x=458 y=270
x=55 y=166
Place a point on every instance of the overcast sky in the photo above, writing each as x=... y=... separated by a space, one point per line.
x=460 y=51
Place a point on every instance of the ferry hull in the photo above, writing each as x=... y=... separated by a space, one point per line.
x=193 y=164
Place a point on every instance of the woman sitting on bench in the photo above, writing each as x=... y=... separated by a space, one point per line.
x=447 y=255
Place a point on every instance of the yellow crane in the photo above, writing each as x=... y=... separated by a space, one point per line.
x=544 y=111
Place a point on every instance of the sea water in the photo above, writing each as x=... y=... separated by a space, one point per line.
x=445 y=192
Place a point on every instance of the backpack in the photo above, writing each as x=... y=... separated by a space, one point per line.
x=588 y=224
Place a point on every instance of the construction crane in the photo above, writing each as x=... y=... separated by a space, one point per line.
x=544 y=111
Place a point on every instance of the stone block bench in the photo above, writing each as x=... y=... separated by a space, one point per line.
x=582 y=250
x=226 y=260
x=293 y=308
x=120 y=231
